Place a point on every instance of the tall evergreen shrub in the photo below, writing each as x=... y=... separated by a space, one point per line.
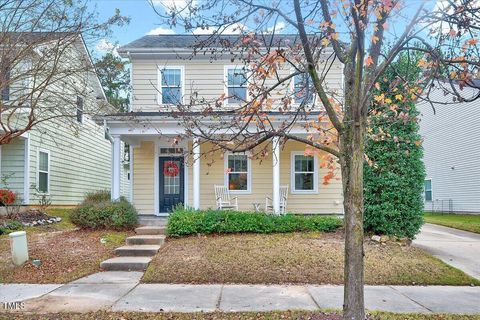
x=394 y=172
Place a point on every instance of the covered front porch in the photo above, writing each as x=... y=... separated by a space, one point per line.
x=167 y=171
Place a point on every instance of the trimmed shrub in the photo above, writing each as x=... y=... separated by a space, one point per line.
x=117 y=215
x=184 y=222
x=393 y=181
x=97 y=196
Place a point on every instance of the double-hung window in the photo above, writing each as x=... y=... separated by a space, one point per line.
x=79 y=109
x=4 y=80
x=171 y=86
x=238 y=170
x=304 y=176
x=236 y=84
x=303 y=89
x=427 y=189
x=43 y=172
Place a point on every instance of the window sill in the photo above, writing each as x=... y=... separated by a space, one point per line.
x=304 y=192
x=240 y=192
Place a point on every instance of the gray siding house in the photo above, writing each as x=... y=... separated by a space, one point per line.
x=451 y=153
x=59 y=160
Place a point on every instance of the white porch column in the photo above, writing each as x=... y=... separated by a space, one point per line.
x=276 y=174
x=196 y=174
x=116 y=163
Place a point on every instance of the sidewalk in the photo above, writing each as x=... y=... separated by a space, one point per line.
x=121 y=291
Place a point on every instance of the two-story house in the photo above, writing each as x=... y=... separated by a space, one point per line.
x=451 y=151
x=163 y=67
x=60 y=159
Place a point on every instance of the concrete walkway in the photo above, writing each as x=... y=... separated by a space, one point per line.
x=121 y=291
x=458 y=248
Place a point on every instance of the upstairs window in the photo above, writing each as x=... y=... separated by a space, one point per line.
x=303 y=89
x=4 y=82
x=171 y=86
x=427 y=189
x=79 y=109
x=43 y=172
x=238 y=172
x=236 y=83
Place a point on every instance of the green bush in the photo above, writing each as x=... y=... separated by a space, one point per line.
x=117 y=215
x=393 y=180
x=10 y=226
x=97 y=196
x=184 y=222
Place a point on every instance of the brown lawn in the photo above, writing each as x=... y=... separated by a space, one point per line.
x=292 y=258
x=64 y=255
x=276 y=315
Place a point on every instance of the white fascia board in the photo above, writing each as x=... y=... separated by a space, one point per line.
x=173 y=128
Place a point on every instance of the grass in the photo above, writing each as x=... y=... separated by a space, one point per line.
x=303 y=315
x=467 y=222
x=65 y=255
x=315 y=258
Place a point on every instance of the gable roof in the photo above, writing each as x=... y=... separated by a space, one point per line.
x=187 y=42
x=38 y=38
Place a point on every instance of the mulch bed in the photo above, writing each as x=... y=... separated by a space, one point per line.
x=31 y=215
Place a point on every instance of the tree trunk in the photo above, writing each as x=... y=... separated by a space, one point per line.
x=352 y=150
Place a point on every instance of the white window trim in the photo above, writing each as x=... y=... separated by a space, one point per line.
x=159 y=82
x=292 y=88
x=424 y=190
x=292 y=174
x=249 y=172
x=225 y=81
x=38 y=171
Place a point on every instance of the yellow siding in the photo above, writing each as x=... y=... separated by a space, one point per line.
x=204 y=77
x=143 y=177
x=328 y=200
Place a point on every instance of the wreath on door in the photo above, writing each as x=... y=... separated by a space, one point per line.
x=171 y=169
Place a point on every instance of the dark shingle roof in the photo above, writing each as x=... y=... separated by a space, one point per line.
x=184 y=41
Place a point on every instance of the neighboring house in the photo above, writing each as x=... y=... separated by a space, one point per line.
x=58 y=161
x=451 y=135
x=159 y=71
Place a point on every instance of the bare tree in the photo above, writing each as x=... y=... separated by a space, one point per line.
x=366 y=37
x=45 y=68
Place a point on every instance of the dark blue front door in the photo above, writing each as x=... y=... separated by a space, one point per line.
x=171 y=184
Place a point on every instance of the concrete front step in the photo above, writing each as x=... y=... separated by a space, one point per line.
x=150 y=230
x=126 y=264
x=146 y=239
x=152 y=220
x=144 y=250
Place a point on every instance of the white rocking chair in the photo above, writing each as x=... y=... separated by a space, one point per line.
x=223 y=200
x=283 y=201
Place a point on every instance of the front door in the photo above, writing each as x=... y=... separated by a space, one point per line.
x=171 y=185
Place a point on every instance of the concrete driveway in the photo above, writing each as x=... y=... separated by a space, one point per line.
x=458 y=248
